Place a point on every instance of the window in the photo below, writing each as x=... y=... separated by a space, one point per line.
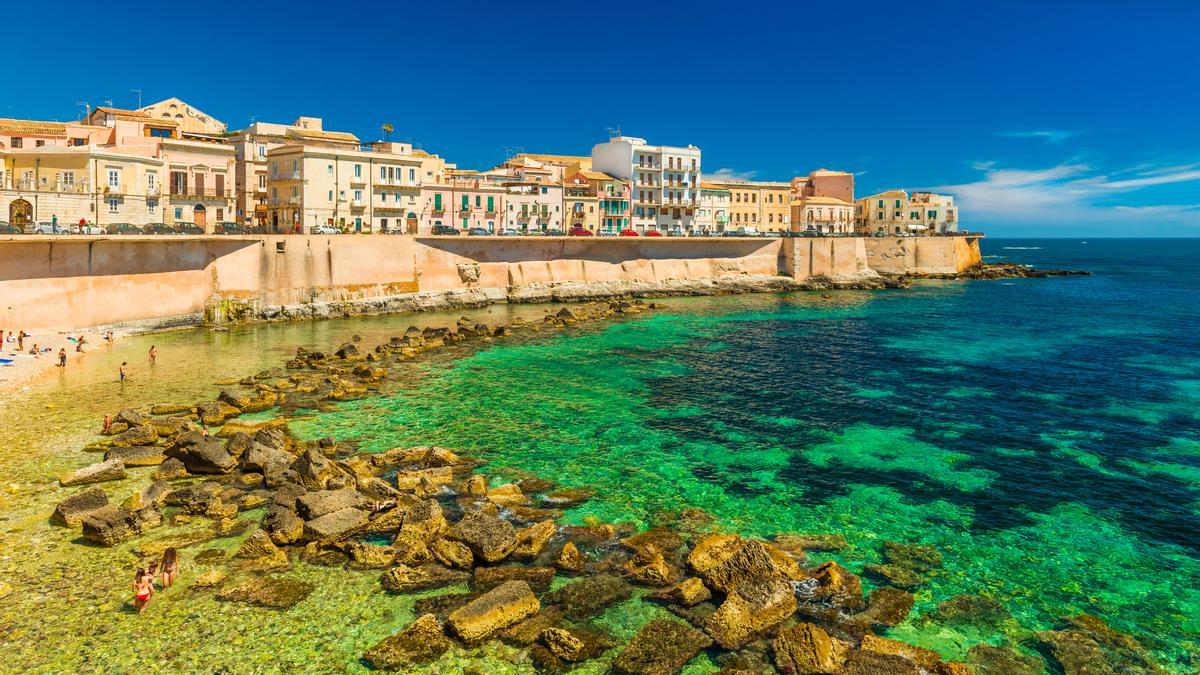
x=151 y=181
x=329 y=169
x=491 y=204
x=358 y=195
x=262 y=180
x=382 y=173
x=262 y=150
x=275 y=193
x=112 y=205
x=358 y=170
x=178 y=214
x=67 y=178
x=331 y=195
x=933 y=215
x=295 y=165
x=114 y=178
x=220 y=215
x=17 y=141
x=39 y=143
x=477 y=200
x=151 y=205
x=274 y=168
x=543 y=190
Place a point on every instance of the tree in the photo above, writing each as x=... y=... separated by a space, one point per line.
x=387 y=131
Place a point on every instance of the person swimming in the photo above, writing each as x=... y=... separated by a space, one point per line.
x=170 y=567
x=143 y=588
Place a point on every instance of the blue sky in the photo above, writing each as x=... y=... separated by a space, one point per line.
x=1049 y=118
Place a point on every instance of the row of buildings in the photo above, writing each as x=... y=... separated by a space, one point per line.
x=171 y=163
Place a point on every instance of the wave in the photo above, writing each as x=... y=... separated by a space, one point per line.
x=1022 y=248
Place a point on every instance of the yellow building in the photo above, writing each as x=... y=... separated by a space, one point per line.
x=762 y=205
x=373 y=189
x=896 y=212
x=596 y=201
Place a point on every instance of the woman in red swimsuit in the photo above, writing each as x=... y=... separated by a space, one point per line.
x=143 y=588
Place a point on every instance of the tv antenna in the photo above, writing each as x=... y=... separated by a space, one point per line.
x=87 y=108
x=109 y=102
x=139 y=93
x=613 y=132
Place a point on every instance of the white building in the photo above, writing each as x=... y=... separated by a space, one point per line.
x=896 y=212
x=665 y=180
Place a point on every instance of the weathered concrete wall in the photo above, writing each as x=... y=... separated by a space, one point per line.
x=75 y=282
x=922 y=255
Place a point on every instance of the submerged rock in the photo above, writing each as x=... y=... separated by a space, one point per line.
x=726 y=561
x=336 y=525
x=538 y=578
x=661 y=646
x=925 y=658
x=201 y=454
x=406 y=579
x=271 y=592
x=751 y=608
x=986 y=659
x=569 y=559
x=137 y=455
x=422 y=641
x=493 y=611
x=532 y=540
x=110 y=525
x=590 y=595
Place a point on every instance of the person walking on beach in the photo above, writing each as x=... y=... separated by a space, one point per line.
x=123 y=375
x=21 y=341
x=143 y=588
x=170 y=567
x=80 y=343
x=153 y=354
x=62 y=357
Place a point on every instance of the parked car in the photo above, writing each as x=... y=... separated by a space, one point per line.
x=628 y=233
x=6 y=228
x=747 y=231
x=124 y=228
x=158 y=228
x=228 y=228
x=606 y=233
x=478 y=232
x=509 y=232
x=88 y=228
x=676 y=232
x=580 y=231
x=325 y=229
x=444 y=230
x=555 y=233
x=47 y=227
x=653 y=233
x=188 y=228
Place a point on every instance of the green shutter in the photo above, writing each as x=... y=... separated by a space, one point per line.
x=491 y=204
x=437 y=202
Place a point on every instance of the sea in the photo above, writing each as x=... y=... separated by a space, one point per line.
x=1042 y=434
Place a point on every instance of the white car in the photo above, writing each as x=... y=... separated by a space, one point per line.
x=326 y=229
x=509 y=232
x=88 y=229
x=46 y=227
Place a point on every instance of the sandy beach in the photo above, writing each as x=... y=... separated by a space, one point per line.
x=23 y=368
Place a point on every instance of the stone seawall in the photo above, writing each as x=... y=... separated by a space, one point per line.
x=70 y=282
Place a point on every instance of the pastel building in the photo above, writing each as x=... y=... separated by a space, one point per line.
x=596 y=201
x=897 y=212
x=712 y=216
x=826 y=215
x=762 y=205
x=187 y=118
x=664 y=180
x=375 y=188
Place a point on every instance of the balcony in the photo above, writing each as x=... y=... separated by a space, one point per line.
x=357 y=204
x=152 y=190
x=286 y=175
x=111 y=189
x=438 y=213
x=260 y=189
x=358 y=180
x=198 y=192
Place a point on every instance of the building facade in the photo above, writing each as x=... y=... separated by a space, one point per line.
x=712 y=217
x=664 y=181
x=596 y=201
x=826 y=215
x=372 y=189
x=898 y=212
x=762 y=205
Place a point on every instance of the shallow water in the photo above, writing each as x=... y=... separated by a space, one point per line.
x=1041 y=433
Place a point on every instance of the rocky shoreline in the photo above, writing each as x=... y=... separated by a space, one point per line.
x=1000 y=270
x=427 y=519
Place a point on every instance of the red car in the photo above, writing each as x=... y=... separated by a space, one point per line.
x=627 y=233
x=579 y=231
x=653 y=233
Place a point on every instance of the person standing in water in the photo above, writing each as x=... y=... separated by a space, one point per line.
x=62 y=357
x=143 y=588
x=170 y=567
x=123 y=375
x=153 y=354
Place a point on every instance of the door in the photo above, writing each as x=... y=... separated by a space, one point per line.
x=20 y=213
x=200 y=217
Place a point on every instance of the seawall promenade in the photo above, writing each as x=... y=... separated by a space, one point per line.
x=149 y=282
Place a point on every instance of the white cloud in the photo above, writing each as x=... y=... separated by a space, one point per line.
x=1046 y=135
x=1068 y=193
x=730 y=174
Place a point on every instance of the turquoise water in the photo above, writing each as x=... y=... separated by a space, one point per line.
x=1042 y=434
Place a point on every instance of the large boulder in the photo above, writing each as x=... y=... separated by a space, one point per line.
x=725 y=561
x=111 y=469
x=532 y=540
x=110 y=525
x=836 y=586
x=265 y=459
x=170 y=469
x=649 y=567
x=136 y=455
x=314 y=470
x=153 y=495
x=141 y=434
x=201 y=454
x=284 y=526
x=752 y=607
x=927 y=659
x=661 y=646
x=130 y=417
x=364 y=556
x=411 y=481
x=71 y=511
x=493 y=611
x=422 y=641
x=590 y=595
x=257 y=545
x=336 y=525
x=195 y=499
x=271 y=592
x=491 y=539
x=312 y=505
x=452 y=554
x=886 y=607
x=806 y=649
